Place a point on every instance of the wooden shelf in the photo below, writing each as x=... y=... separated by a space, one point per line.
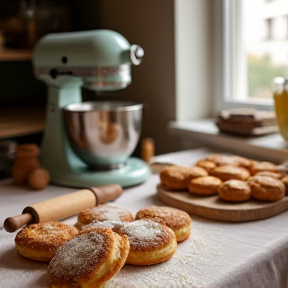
x=21 y=121
x=15 y=54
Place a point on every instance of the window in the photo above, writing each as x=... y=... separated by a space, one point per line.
x=287 y=26
x=254 y=49
x=268 y=28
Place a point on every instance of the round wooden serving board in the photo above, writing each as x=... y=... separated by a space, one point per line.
x=214 y=208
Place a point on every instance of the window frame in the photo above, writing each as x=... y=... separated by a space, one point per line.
x=226 y=70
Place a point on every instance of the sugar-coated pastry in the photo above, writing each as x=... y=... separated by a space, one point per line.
x=88 y=260
x=112 y=224
x=263 y=166
x=179 y=221
x=234 y=191
x=266 y=188
x=204 y=186
x=227 y=172
x=39 y=242
x=102 y=213
x=150 y=242
x=178 y=177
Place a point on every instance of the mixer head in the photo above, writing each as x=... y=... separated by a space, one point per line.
x=101 y=58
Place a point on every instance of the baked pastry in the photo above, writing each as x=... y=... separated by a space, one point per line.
x=206 y=164
x=150 y=242
x=40 y=241
x=221 y=160
x=179 y=221
x=234 y=160
x=178 y=177
x=204 y=186
x=263 y=166
x=234 y=191
x=276 y=175
x=285 y=182
x=88 y=260
x=266 y=188
x=102 y=213
x=103 y=224
x=227 y=172
x=241 y=161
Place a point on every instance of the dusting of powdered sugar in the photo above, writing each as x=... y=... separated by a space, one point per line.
x=79 y=256
x=146 y=233
x=185 y=269
x=112 y=224
x=106 y=212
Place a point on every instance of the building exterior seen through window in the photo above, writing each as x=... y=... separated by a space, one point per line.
x=263 y=26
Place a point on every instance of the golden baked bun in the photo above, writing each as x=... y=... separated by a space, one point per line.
x=88 y=260
x=234 y=160
x=276 y=175
x=150 y=242
x=266 y=188
x=284 y=180
x=234 y=191
x=241 y=161
x=179 y=221
x=221 y=160
x=178 y=177
x=102 y=213
x=204 y=186
x=206 y=164
x=39 y=242
x=227 y=172
x=263 y=166
x=103 y=224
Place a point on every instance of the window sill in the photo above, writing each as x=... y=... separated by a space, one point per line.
x=269 y=147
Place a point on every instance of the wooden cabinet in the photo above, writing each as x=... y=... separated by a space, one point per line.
x=18 y=121
x=21 y=112
x=17 y=83
x=15 y=54
x=22 y=96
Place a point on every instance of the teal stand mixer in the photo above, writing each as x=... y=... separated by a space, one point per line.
x=89 y=143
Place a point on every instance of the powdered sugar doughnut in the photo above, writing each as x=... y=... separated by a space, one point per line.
x=40 y=241
x=179 y=221
x=102 y=213
x=89 y=259
x=150 y=242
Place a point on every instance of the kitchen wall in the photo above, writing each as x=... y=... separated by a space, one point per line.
x=174 y=80
x=149 y=24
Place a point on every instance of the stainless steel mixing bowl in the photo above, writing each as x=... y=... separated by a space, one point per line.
x=104 y=133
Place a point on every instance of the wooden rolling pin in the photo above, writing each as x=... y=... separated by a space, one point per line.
x=62 y=207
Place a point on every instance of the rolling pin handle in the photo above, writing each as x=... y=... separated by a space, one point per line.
x=12 y=224
x=106 y=193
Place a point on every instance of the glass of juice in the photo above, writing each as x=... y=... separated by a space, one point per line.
x=281 y=105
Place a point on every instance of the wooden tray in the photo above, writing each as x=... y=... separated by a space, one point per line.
x=214 y=208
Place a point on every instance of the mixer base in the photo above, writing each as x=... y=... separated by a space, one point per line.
x=134 y=172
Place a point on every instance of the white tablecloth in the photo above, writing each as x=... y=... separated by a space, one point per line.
x=217 y=254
